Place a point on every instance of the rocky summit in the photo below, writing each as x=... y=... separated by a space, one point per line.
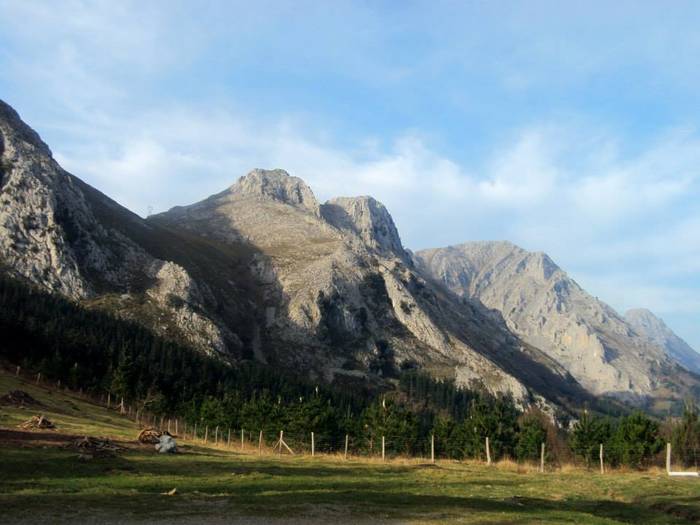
x=263 y=271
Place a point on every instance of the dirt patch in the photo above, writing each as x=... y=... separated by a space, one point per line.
x=90 y=447
x=17 y=438
x=678 y=510
x=20 y=399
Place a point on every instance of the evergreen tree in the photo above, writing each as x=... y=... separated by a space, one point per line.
x=686 y=435
x=533 y=432
x=636 y=440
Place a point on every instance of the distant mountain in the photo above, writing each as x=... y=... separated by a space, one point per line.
x=260 y=271
x=647 y=325
x=549 y=310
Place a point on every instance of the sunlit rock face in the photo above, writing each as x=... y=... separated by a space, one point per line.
x=548 y=309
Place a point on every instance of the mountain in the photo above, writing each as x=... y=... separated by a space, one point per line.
x=647 y=325
x=342 y=297
x=68 y=238
x=260 y=271
x=546 y=308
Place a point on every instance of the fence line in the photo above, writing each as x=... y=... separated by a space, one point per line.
x=345 y=445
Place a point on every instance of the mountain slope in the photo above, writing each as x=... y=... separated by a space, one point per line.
x=551 y=311
x=647 y=325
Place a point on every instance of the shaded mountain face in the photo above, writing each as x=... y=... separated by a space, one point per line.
x=260 y=271
x=654 y=330
x=549 y=310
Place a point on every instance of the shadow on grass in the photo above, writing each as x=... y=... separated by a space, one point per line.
x=55 y=479
x=357 y=503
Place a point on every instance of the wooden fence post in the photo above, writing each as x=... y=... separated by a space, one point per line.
x=668 y=457
x=206 y=434
x=313 y=445
x=176 y=419
x=432 y=448
x=242 y=438
x=216 y=435
x=383 y=450
x=347 y=438
x=260 y=440
x=602 y=463
x=542 y=458
x=488 y=452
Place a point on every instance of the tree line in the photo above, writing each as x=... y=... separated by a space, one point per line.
x=95 y=351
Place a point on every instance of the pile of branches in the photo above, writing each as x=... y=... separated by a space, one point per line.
x=91 y=447
x=18 y=398
x=150 y=436
x=37 y=422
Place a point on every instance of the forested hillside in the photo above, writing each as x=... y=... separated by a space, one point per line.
x=96 y=352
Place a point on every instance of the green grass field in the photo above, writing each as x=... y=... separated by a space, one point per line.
x=42 y=481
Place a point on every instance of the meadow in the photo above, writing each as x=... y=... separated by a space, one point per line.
x=43 y=480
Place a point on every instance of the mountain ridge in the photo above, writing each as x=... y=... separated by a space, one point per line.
x=655 y=330
x=542 y=304
x=263 y=271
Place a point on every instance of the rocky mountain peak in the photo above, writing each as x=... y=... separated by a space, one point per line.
x=656 y=332
x=277 y=185
x=16 y=137
x=368 y=219
x=643 y=317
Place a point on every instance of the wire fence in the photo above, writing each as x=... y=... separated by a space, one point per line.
x=552 y=456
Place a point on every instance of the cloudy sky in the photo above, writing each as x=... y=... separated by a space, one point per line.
x=565 y=127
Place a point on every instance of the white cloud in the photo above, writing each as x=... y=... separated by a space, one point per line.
x=572 y=189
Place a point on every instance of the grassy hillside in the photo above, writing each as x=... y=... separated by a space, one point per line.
x=42 y=480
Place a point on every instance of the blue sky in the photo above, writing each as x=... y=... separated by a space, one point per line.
x=565 y=127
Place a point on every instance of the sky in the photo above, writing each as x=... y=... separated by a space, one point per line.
x=564 y=127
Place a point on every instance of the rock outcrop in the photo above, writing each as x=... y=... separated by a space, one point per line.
x=369 y=220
